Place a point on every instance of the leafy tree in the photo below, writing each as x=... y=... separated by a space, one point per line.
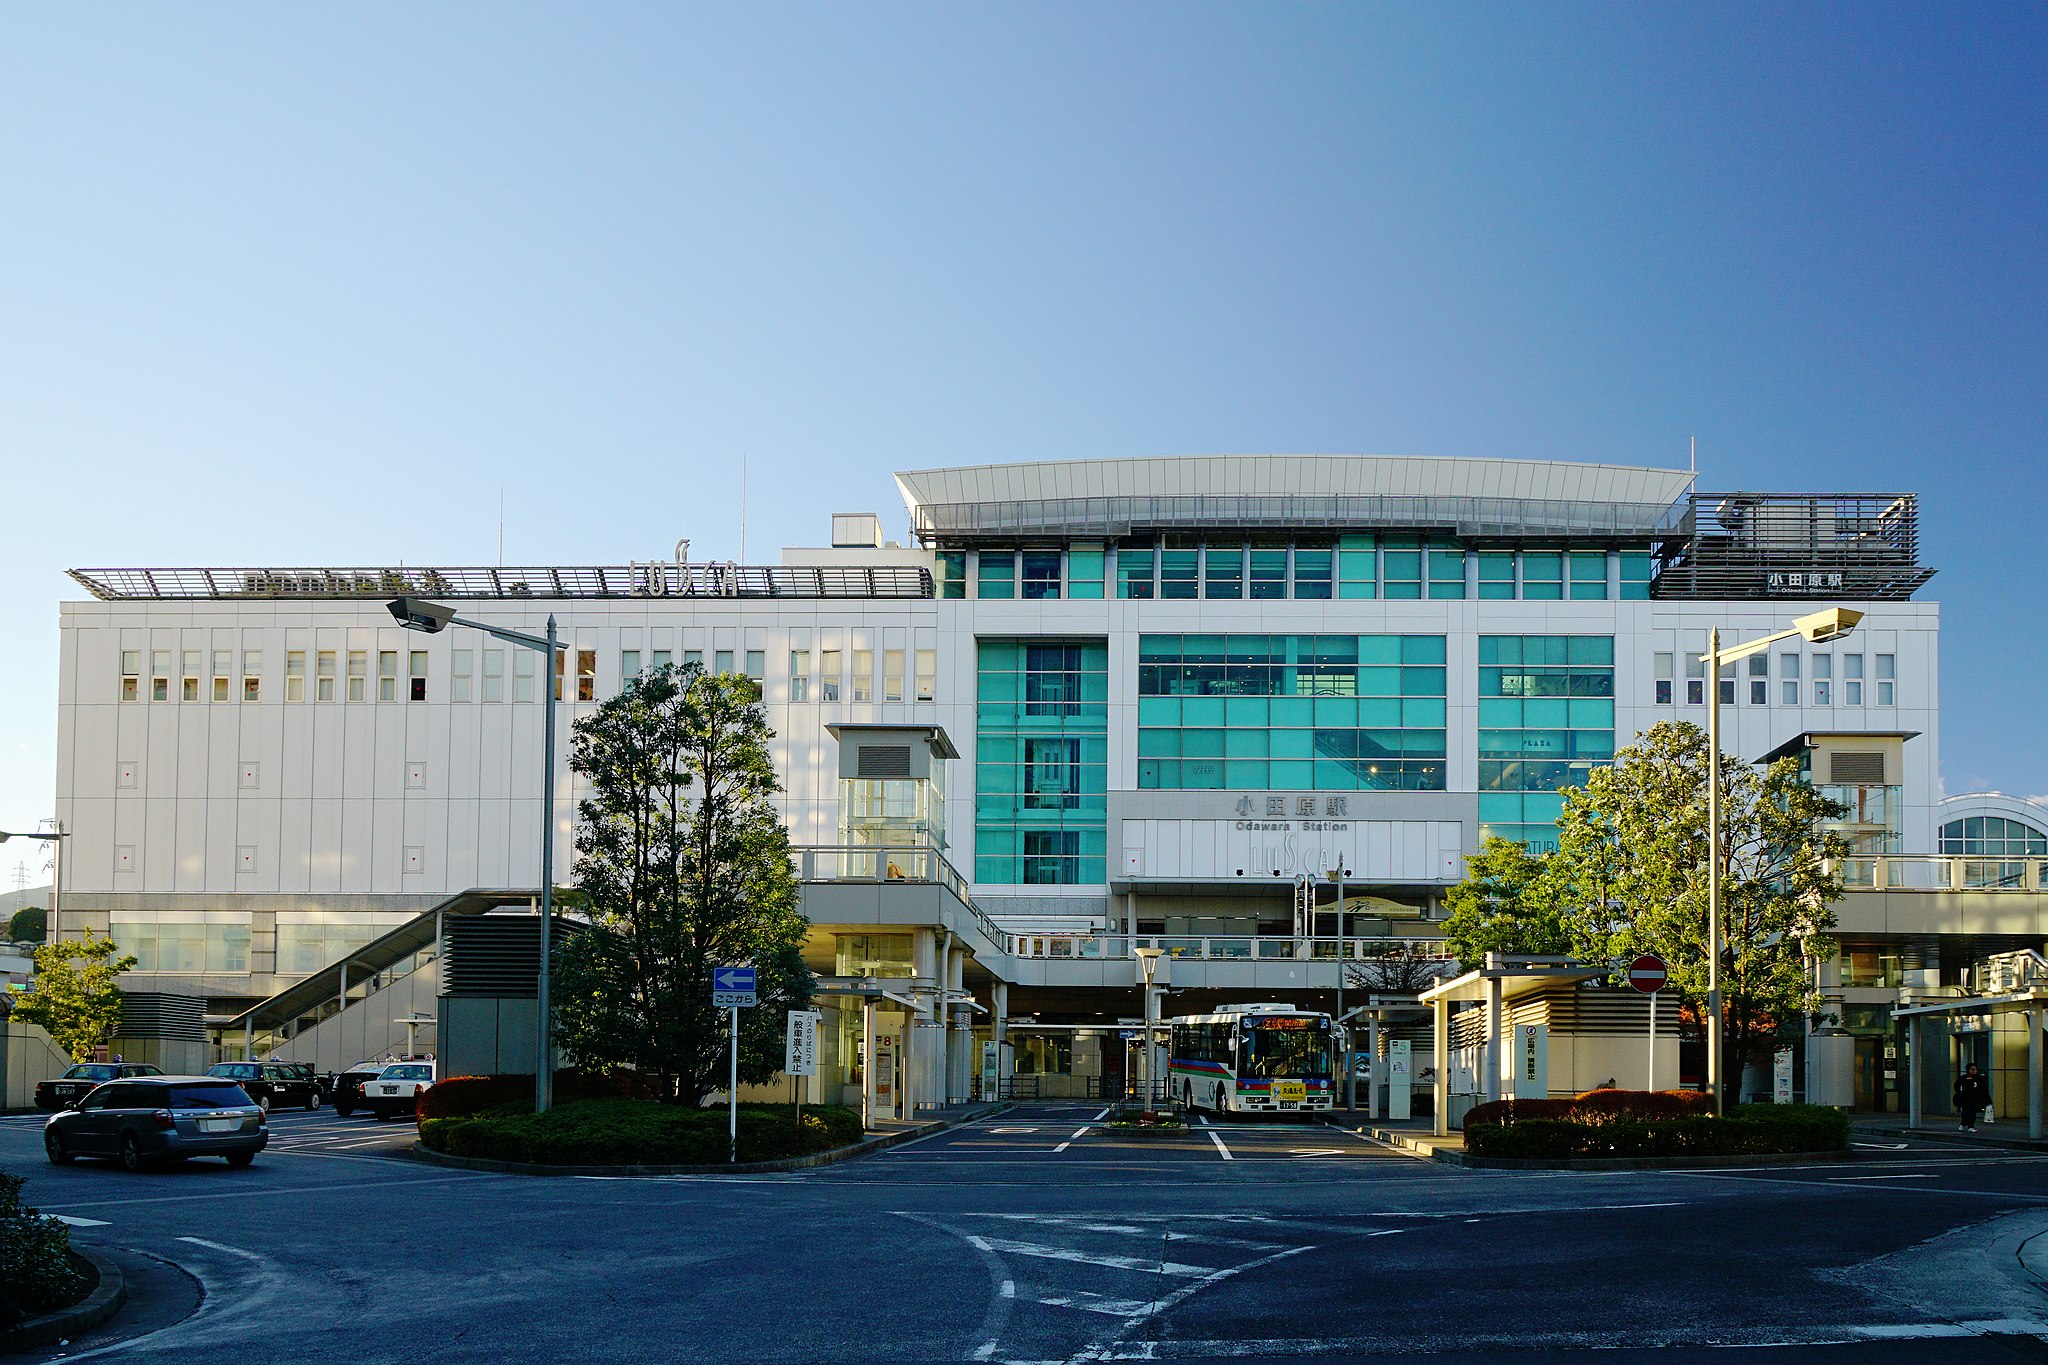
x=1509 y=902
x=75 y=998
x=1632 y=863
x=1397 y=968
x=30 y=924
x=684 y=866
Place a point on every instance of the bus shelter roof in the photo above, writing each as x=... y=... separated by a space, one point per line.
x=2017 y=1000
x=1516 y=979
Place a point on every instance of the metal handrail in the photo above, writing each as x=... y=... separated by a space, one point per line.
x=892 y=863
x=1353 y=948
x=1942 y=872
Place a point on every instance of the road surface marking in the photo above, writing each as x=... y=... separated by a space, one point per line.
x=1156 y=1267
x=1217 y=1138
x=80 y=1222
x=1101 y=1116
x=223 y=1246
x=1840 y=1178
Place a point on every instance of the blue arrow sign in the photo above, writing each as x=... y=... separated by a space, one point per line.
x=732 y=978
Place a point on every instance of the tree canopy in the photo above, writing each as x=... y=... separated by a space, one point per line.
x=684 y=865
x=30 y=924
x=76 y=999
x=1630 y=876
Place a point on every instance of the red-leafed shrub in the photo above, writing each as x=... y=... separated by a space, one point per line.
x=1596 y=1106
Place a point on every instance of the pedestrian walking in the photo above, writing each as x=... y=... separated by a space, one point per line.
x=1972 y=1097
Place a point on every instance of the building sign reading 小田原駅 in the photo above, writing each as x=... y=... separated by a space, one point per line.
x=1299 y=807
x=1802 y=580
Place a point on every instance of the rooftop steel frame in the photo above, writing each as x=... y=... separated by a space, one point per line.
x=656 y=579
x=1838 y=546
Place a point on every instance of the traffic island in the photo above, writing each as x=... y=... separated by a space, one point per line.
x=594 y=1137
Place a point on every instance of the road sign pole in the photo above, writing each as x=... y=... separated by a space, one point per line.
x=1653 y=1043
x=732 y=1088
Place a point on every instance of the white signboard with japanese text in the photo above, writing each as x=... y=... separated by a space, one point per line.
x=1267 y=847
x=800 y=1049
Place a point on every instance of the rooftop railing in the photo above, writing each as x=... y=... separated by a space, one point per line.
x=655 y=579
x=881 y=863
x=1226 y=948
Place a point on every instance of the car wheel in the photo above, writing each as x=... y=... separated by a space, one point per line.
x=53 y=1143
x=263 y=1103
x=240 y=1159
x=313 y=1100
x=344 y=1108
x=131 y=1153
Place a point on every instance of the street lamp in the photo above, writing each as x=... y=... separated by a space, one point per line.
x=1343 y=966
x=431 y=618
x=1148 y=963
x=56 y=842
x=1819 y=628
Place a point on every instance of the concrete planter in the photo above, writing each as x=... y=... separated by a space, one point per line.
x=89 y=1312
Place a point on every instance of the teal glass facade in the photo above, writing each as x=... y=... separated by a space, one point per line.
x=1041 y=762
x=1546 y=719
x=1291 y=712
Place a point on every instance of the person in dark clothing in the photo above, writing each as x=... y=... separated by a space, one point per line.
x=1972 y=1097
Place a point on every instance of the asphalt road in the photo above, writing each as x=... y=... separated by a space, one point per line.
x=1037 y=1236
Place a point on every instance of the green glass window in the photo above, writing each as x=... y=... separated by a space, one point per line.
x=1546 y=720
x=950 y=569
x=1223 y=571
x=1285 y=712
x=1312 y=573
x=1401 y=568
x=1269 y=572
x=1084 y=571
x=1446 y=573
x=998 y=577
x=1635 y=576
x=1496 y=575
x=1041 y=573
x=1134 y=571
x=1542 y=575
x=1358 y=567
x=1178 y=573
x=1589 y=576
x=1041 y=762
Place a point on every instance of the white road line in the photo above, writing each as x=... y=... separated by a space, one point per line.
x=222 y=1246
x=1101 y=1116
x=1217 y=1138
x=1154 y=1267
x=80 y=1222
x=1843 y=1178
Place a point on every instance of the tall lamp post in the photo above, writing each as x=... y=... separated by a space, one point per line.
x=56 y=842
x=1148 y=963
x=431 y=618
x=1819 y=628
x=1343 y=966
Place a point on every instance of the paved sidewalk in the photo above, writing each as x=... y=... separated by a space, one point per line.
x=1999 y=1133
x=936 y=1119
x=1417 y=1137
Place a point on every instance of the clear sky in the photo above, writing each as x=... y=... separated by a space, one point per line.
x=310 y=285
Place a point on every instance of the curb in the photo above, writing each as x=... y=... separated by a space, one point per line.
x=420 y=1152
x=1449 y=1156
x=95 y=1308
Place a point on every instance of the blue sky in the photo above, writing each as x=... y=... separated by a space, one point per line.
x=310 y=285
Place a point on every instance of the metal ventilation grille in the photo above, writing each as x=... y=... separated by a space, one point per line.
x=1856 y=769
x=884 y=761
x=491 y=955
x=153 y=1014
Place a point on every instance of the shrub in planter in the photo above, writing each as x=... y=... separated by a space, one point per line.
x=622 y=1132
x=1595 y=1106
x=37 y=1272
x=461 y=1095
x=1778 y=1129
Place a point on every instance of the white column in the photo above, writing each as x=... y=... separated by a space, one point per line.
x=1372 y=1097
x=1914 y=1034
x=999 y=1006
x=2033 y=1018
x=1493 y=1053
x=1442 y=1063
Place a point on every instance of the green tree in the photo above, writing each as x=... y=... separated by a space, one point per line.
x=75 y=998
x=685 y=866
x=1509 y=902
x=1632 y=866
x=30 y=924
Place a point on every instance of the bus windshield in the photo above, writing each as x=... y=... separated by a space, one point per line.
x=1286 y=1053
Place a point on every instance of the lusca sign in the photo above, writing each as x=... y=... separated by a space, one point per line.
x=1648 y=974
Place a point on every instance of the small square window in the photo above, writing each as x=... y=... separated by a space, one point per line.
x=387 y=675
x=418 y=675
x=252 y=675
x=586 y=675
x=1663 y=691
x=458 y=674
x=358 y=675
x=1695 y=691
x=494 y=675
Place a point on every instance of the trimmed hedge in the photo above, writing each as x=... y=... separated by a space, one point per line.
x=625 y=1132
x=38 y=1273
x=460 y=1096
x=1750 y=1130
x=1597 y=1106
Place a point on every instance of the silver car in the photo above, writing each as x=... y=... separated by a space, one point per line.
x=163 y=1118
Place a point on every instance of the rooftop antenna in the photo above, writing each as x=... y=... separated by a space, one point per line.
x=501 y=525
x=1692 y=459
x=743 y=509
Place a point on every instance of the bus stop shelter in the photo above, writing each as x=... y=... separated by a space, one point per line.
x=1505 y=977
x=2031 y=1001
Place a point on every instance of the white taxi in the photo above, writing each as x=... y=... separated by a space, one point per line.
x=396 y=1089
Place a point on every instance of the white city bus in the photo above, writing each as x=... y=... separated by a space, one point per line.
x=1253 y=1059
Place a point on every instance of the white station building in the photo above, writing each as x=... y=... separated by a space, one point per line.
x=1068 y=709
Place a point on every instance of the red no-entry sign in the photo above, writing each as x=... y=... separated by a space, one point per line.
x=1648 y=974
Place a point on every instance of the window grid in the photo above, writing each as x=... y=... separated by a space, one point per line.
x=1041 y=762
x=1546 y=720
